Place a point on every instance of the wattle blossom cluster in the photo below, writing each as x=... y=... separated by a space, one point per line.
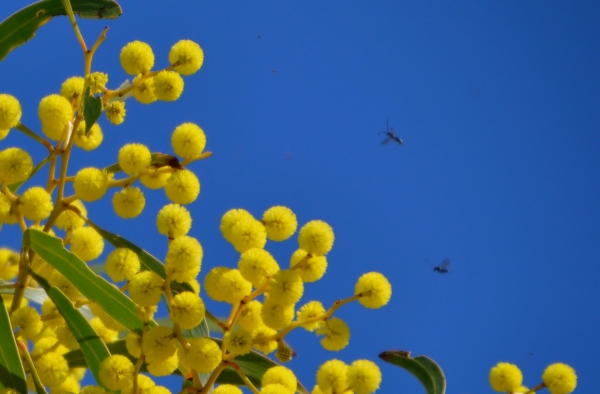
x=558 y=378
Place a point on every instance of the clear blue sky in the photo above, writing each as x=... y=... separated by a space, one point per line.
x=498 y=106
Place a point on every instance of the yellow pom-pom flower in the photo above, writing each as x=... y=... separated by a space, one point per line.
x=373 y=290
x=505 y=377
x=10 y=112
x=90 y=184
x=144 y=384
x=187 y=55
x=188 y=140
x=116 y=372
x=69 y=385
x=238 y=342
x=159 y=344
x=187 y=310
x=560 y=378
x=310 y=268
x=275 y=388
x=66 y=337
x=106 y=319
x=256 y=265
x=71 y=88
x=3 y=133
x=133 y=344
x=145 y=288
x=134 y=158
x=286 y=287
x=9 y=264
x=275 y=314
x=261 y=341
x=15 y=165
x=230 y=219
x=336 y=334
x=69 y=219
x=97 y=82
x=316 y=237
x=248 y=233
x=227 y=389
x=250 y=318
x=280 y=223
x=168 y=85
x=282 y=375
x=308 y=311
x=182 y=187
x=106 y=334
x=137 y=58
x=233 y=286
x=203 y=355
x=115 y=112
x=144 y=91
x=52 y=368
x=36 y=203
x=55 y=112
x=121 y=264
x=173 y=220
x=184 y=258
x=364 y=377
x=28 y=320
x=91 y=140
x=332 y=376
x=154 y=179
x=86 y=243
x=212 y=283
x=5 y=205
x=129 y=202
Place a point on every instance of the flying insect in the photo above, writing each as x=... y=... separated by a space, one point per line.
x=443 y=267
x=391 y=135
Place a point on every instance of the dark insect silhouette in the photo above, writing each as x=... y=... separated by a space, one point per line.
x=391 y=136
x=443 y=267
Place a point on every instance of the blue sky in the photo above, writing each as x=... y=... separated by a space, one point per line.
x=497 y=104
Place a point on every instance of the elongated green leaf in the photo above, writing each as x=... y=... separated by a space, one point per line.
x=21 y=26
x=94 y=287
x=12 y=374
x=93 y=348
x=147 y=261
x=92 y=110
x=15 y=186
x=423 y=368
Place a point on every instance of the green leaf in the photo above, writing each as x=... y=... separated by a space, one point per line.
x=15 y=186
x=93 y=348
x=76 y=358
x=423 y=368
x=21 y=26
x=94 y=287
x=92 y=110
x=12 y=374
x=147 y=261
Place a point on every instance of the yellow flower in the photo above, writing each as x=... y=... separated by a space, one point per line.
x=188 y=55
x=275 y=388
x=144 y=91
x=560 y=378
x=66 y=337
x=10 y=111
x=106 y=319
x=308 y=311
x=69 y=219
x=203 y=355
x=90 y=184
x=364 y=377
x=188 y=140
x=134 y=158
x=129 y=202
x=212 y=283
x=336 y=332
x=116 y=372
x=184 y=258
x=28 y=320
x=275 y=314
x=373 y=289
x=310 y=268
x=282 y=375
x=106 y=334
x=70 y=88
x=238 y=342
x=52 y=368
x=316 y=237
x=250 y=318
x=154 y=179
x=505 y=377
x=174 y=220
x=332 y=376
x=133 y=343
x=158 y=344
x=9 y=264
x=286 y=287
x=248 y=233
x=121 y=264
x=259 y=339
x=97 y=82
x=256 y=265
x=187 y=310
x=115 y=112
x=280 y=223
x=36 y=203
x=145 y=288
x=227 y=389
x=15 y=165
x=136 y=57
x=168 y=85
x=230 y=219
x=55 y=112
x=89 y=141
x=182 y=187
x=86 y=243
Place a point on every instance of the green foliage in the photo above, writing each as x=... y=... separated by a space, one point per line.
x=12 y=374
x=422 y=367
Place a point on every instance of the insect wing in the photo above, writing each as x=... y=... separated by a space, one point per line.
x=444 y=264
x=386 y=141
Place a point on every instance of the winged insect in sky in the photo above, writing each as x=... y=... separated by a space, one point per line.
x=391 y=135
x=443 y=267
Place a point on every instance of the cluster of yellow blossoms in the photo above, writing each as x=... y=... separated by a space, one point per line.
x=264 y=297
x=558 y=378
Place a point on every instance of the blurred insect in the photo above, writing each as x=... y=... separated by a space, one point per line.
x=273 y=71
x=391 y=135
x=259 y=36
x=443 y=267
